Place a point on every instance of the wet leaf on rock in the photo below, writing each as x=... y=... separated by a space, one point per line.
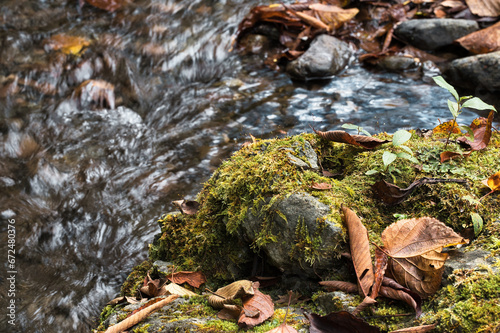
x=195 y=279
x=338 y=322
x=368 y=142
x=188 y=207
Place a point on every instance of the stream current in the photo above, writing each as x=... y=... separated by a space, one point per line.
x=84 y=186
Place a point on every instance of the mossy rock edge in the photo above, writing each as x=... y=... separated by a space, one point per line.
x=251 y=185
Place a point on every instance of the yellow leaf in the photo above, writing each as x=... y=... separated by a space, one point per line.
x=494 y=182
x=67 y=44
x=447 y=127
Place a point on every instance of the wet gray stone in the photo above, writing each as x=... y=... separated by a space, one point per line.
x=430 y=34
x=297 y=208
x=335 y=301
x=476 y=71
x=476 y=259
x=306 y=156
x=325 y=57
x=398 y=63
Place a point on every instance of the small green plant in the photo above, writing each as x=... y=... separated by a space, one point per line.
x=388 y=157
x=456 y=107
x=356 y=127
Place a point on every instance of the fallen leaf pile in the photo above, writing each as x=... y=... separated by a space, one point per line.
x=408 y=267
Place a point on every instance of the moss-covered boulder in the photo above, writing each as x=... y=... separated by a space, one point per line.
x=261 y=213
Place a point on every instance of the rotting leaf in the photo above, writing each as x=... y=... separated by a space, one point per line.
x=195 y=279
x=391 y=194
x=360 y=250
x=346 y=287
x=380 y=267
x=260 y=305
x=338 y=322
x=188 y=207
x=368 y=142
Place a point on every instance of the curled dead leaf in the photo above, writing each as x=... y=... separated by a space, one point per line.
x=227 y=294
x=494 y=182
x=368 y=142
x=195 y=279
x=336 y=322
x=188 y=207
x=257 y=308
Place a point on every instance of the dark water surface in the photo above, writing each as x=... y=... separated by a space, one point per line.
x=85 y=186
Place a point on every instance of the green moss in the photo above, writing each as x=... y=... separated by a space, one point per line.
x=135 y=279
x=471 y=304
x=142 y=329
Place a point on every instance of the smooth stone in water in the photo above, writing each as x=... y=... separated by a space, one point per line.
x=430 y=34
x=476 y=71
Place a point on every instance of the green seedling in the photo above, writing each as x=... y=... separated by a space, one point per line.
x=356 y=127
x=456 y=107
x=388 y=157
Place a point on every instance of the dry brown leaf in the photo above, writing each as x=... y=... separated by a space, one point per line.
x=368 y=142
x=260 y=306
x=195 y=279
x=347 y=287
x=227 y=294
x=482 y=41
x=175 y=289
x=321 y=186
x=188 y=207
x=283 y=328
x=360 y=250
x=67 y=44
x=401 y=295
x=367 y=302
x=122 y=299
x=413 y=237
x=414 y=247
x=484 y=7
x=449 y=155
x=334 y=16
x=380 y=267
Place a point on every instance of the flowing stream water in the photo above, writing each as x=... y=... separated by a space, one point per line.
x=84 y=186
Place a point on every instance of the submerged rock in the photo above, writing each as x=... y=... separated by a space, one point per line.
x=325 y=57
x=430 y=34
x=398 y=63
x=476 y=71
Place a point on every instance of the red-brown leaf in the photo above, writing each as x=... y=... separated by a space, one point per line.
x=402 y=296
x=360 y=250
x=321 y=186
x=283 y=328
x=449 y=155
x=195 y=279
x=259 y=302
x=482 y=41
x=380 y=266
x=482 y=136
x=347 y=287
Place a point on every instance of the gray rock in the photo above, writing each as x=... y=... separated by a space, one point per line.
x=303 y=209
x=477 y=260
x=304 y=152
x=430 y=34
x=398 y=63
x=325 y=57
x=335 y=301
x=476 y=71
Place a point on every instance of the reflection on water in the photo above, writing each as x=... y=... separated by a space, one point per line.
x=85 y=185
